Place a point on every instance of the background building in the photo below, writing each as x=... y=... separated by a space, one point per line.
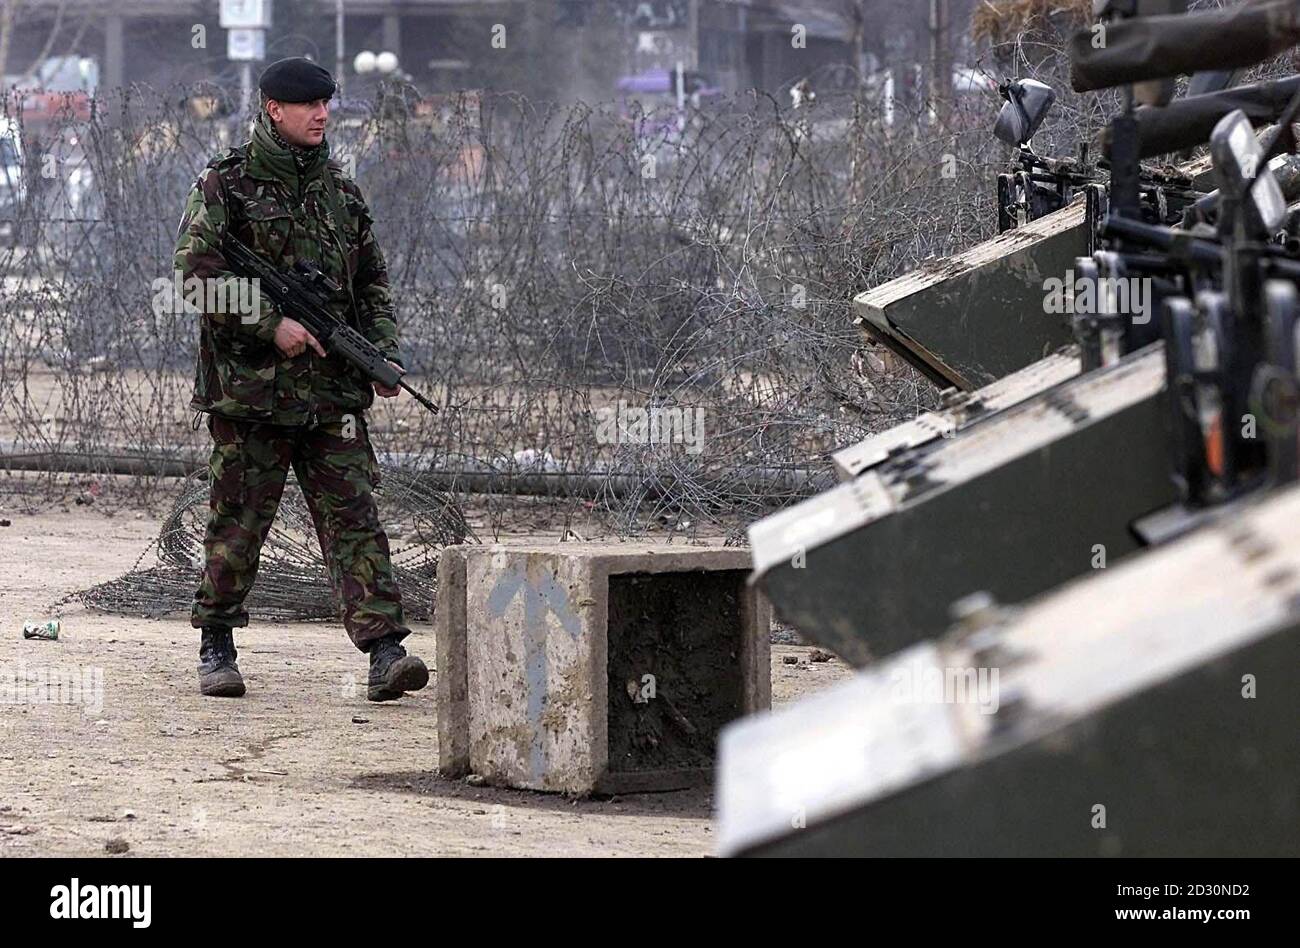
x=563 y=49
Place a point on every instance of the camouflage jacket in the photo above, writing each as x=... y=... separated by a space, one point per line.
x=256 y=190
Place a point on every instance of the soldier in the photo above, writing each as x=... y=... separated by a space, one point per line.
x=273 y=399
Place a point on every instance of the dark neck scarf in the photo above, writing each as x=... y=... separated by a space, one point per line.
x=303 y=158
x=290 y=163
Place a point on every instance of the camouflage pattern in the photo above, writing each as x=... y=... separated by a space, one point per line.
x=336 y=469
x=257 y=190
x=268 y=413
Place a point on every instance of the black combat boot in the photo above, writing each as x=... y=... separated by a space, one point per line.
x=393 y=672
x=218 y=674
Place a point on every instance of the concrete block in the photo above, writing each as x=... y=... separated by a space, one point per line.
x=959 y=412
x=972 y=318
x=1015 y=504
x=1146 y=710
x=595 y=667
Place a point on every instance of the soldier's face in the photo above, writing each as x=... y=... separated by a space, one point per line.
x=300 y=123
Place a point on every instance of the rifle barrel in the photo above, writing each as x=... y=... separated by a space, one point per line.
x=308 y=306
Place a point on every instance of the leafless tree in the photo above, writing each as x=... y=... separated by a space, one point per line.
x=12 y=11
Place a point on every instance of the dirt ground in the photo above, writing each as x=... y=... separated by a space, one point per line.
x=302 y=765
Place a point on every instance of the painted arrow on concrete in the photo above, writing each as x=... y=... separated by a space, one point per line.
x=540 y=598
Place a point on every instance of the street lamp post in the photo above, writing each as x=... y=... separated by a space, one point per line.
x=246 y=23
x=367 y=62
x=385 y=64
x=338 y=43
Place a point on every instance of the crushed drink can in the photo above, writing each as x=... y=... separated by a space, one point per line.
x=41 y=630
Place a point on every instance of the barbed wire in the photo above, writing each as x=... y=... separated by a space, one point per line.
x=551 y=267
x=292 y=575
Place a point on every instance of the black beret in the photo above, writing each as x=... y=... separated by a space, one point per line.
x=296 y=80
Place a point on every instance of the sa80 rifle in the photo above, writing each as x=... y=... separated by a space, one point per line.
x=303 y=293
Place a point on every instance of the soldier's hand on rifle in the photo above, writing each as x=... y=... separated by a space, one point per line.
x=384 y=390
x=292 y=338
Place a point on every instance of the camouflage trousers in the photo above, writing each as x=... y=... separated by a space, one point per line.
x=337 y=471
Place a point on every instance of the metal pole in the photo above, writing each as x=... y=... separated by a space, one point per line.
x=245 y=89
x=114 y=52
x=767 y=484
x=940 y=61
x=681 y=96
x=693 y=34
x=338 y=43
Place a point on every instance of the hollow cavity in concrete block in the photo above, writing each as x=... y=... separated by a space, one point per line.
x=590 y=667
